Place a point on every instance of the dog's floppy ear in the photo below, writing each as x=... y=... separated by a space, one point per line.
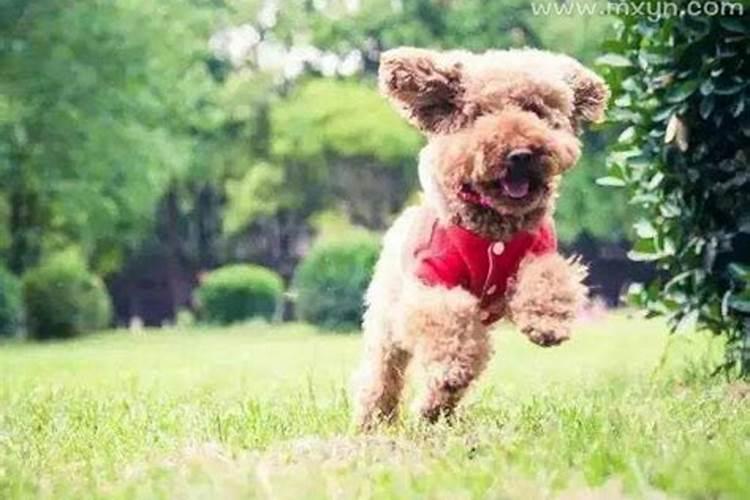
x=590 y=94
x=425 y=87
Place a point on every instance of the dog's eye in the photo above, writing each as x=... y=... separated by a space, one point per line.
x=537 y=110
x=561 y=123
x=556 y=120
x=552 y=117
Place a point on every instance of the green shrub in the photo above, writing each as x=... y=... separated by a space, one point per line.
x=11 y=307
x=682 y=98
x=239 y=292
x=331 y=281
x=64 y=299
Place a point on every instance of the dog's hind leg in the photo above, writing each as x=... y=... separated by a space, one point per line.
x=450 y=341
x=380 y=378
x=450 y=375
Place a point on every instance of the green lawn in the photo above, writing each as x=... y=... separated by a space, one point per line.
x=258 y=411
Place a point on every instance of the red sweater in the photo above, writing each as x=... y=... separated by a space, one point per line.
x=452 y=256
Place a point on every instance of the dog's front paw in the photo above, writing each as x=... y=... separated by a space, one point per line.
x=547 y=337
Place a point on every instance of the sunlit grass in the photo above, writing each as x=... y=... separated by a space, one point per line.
x=259 y=411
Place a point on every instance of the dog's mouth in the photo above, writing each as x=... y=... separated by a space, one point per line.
x=518 y=186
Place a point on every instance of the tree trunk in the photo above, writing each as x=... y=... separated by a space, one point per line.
x=24 y=228
x=173 y=249
x=206 y=226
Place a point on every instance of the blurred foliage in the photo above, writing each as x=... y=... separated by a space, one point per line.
x=11 y=307
x=96 y=104
x=584 y=208
x=206 y=132
x=381 y=24
x=683 y=99
x=324 y=118
x=577 y=35
x=262 y=191
x=475 y=25
x=239 y=292
x=329 y=137
x=64 y=299
x=331 y=280
x=321 y=124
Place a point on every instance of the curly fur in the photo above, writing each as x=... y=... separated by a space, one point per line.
x=547 y=293
x=445 y=329
x=475 y=109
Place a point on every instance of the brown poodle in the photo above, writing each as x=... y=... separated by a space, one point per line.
x=501 y=128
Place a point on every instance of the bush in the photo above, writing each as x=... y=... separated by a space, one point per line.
x=64 y=299
x=683 y=100
x=11 y=307
x=331 y=281
x=239 y=292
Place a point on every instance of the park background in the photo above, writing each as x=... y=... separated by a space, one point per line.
x=159 y=143
x=192 y=194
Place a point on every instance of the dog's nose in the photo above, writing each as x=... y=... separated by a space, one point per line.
x=520 y=156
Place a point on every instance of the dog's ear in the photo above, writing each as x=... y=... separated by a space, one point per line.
x=426 y=87
x=590 y=94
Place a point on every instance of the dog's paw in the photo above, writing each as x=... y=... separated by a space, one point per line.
x=547 y=337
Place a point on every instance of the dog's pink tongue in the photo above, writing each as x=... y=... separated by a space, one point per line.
x=516 y=188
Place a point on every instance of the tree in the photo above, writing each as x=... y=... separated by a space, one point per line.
x=683 y=100
x=333 y=143
x=343 y=139
x=583 y=207
x=96 y=108
x=378 y=25
x=300 y=144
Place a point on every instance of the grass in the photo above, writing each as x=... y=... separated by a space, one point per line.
x=258 y=411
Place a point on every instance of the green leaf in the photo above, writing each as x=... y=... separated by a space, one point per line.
x=740 y=303
x=738 y=107
x=725 y=52
x=688 y=323
x=699 y=26
x=669 y=210
x=643 y=257
x=624 y=101
x=724 y=307
x=644 y=250
x=707 y=106
x=736 y=25
x=730 y=88
x=644 y=229
x=655 y=181
x=613 y=60
x=668 y=246
x=610 y=181
x=682 y=92
x=664 y=114
x=740 y=271
x=627 y=135
x=652 y=59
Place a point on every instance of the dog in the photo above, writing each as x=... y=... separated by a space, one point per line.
x=501 y=129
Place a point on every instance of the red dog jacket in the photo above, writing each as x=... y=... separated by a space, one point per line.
x=451 y=256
